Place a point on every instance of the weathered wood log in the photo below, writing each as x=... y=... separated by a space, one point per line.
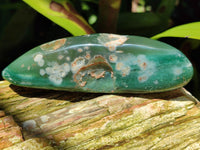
x=10 y=132
x=11 y=137
x=169 y=120
x=31 y=144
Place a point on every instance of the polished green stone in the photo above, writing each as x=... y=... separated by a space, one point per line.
x=105 y=63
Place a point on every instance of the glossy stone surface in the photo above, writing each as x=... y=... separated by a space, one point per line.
x=104 y=63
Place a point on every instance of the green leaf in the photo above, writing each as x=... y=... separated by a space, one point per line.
x=63 y=14
x=190 y=30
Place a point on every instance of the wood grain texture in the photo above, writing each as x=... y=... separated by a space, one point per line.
x=70 y=120
x=11 y=137
x=10 y=132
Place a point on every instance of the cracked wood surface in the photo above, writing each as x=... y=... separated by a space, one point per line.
x=72 y=120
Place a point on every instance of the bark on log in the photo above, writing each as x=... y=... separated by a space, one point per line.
x=169 y=120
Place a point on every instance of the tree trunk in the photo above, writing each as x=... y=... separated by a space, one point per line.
x=69 y=120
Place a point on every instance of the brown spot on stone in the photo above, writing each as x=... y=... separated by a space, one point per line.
x=143 y=65
x=125 y=71
x=54 y=45
x=82 y=84
x=142 y=78
x=77 y=61
x=113 y=58
x=112 y=41
x=77 y=64
x=95 y=69
x=80 y=50
x=68 y=58
x=98 y=59
x=87 y=56
x=97 y=75
x=60 y=57
x=119 y=66
x=110 y=47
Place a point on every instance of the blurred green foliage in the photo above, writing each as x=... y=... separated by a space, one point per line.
x=190 y=30
x=22 y=28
